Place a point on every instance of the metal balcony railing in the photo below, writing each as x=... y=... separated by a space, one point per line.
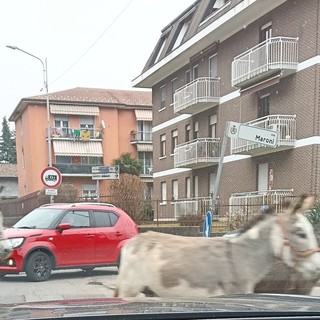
x=197 y=152
x=76 y=169
x=278 y=53
x=197 y=95
x=250 y=202
x=199 y=205
x=75 y=133
x=140 y=136
x=285 y=125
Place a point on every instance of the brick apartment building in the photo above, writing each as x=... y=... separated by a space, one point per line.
x=89 y=127
x=252 y=62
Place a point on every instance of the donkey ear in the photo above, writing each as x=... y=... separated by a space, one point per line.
x=304 y=203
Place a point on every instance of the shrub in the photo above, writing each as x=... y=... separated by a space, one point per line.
x=313 y=215
x=191 y=220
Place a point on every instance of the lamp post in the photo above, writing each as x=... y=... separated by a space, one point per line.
x=45 y=81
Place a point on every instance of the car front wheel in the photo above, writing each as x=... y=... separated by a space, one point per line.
x=39 y=266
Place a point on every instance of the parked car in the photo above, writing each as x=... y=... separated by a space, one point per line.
x=65 y=236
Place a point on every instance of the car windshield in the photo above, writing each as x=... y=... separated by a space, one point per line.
x=159 y=158
x=42 y=218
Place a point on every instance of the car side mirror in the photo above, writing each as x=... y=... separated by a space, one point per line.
x=64 y=226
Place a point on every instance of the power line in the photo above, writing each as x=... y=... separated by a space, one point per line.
x=95 y=42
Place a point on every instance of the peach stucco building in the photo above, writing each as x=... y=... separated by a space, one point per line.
x=89 y=127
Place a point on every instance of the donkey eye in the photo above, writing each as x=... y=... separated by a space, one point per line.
x=301 y=234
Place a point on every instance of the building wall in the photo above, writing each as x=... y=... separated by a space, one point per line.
x=297 y=94
x=32 y=147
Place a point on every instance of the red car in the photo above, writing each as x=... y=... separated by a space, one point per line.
x=65 y=236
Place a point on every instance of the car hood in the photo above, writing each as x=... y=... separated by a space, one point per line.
x=247 y=305
x=16 y=232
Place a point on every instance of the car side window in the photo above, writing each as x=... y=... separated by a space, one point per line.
x=105 y=218
x=77 y=219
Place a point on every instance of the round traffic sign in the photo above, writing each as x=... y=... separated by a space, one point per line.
x=51 y=177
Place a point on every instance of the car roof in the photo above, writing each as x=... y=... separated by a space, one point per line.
x=82 y=205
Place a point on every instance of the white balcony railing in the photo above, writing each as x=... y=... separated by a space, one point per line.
x=273 y=54
x=285 y=125
x=198 y=151
x=191 y=206
x=197 y=93
x=250 y=202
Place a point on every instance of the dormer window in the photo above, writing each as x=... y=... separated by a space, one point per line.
x=183 y=27
x=163 y=41
x=213 y=6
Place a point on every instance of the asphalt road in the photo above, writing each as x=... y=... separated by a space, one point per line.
x=67 y=284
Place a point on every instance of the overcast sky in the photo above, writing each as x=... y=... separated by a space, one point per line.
x=87 y=43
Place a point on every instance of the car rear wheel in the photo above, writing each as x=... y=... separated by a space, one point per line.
x=39 y=266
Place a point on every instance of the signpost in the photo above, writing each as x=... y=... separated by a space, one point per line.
x=105 y=173
x=253 y=134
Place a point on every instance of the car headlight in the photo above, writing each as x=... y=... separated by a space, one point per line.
x=16 y=242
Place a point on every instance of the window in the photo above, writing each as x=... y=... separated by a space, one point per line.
x=105 y=218
x=63 y=159
x=163 y=192
x=175 y=190
x=212 y=126
x=195 y=129
x=174 y=87
x=162 y=97
x=61 y=126
x=77 y=219
x=195 y=186
x=163 y=145
x=212 y=7
x=263 y=105
x=144 y=131
x=195 y=72
x=181 y=31
x=188 y=188
x=162 y=43
x=92 y=160
x=187 y=76
x=187 y=138
x=213 y=66
x=146 y=159
x=89 y=191
x=266 y=32
x=174 y=140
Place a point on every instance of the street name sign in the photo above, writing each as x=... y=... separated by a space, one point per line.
x=105 y=169
x=105 y=176
x=253 y=134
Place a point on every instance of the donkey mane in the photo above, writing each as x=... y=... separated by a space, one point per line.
x=256 y=219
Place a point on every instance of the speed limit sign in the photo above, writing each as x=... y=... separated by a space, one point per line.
x=51 y=177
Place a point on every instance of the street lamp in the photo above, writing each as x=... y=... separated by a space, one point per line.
x=45 y=81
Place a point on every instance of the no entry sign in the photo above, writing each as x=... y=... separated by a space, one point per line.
x=51 y=177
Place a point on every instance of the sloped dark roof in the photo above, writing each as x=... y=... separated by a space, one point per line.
x=8 y=170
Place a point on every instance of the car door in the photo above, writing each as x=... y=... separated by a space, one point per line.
x=75 y=246
x=109 y=233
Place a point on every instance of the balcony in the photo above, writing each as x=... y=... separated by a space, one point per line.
x=285 y=125
x=74 y=169
x=197 y=153
x=140 y=137
x=249 y=203
x=76 y=133
x=194 y=206
x=197 y=96
x=263 y=60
